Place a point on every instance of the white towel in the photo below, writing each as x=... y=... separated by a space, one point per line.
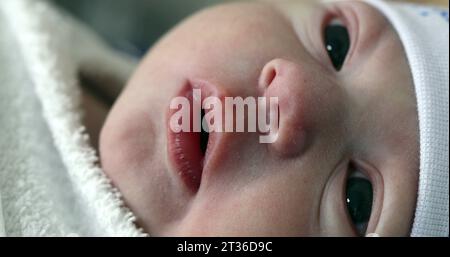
x=2 y=225
x=50 y=184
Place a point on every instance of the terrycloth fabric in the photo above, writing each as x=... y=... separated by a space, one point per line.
x=424 y=32
x=50 y=183
x=2 y=226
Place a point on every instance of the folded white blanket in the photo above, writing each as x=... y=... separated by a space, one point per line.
x=50 y=182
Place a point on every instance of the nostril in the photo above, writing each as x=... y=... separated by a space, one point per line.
x=271 y=76
x=291 y=84
x=267 y=76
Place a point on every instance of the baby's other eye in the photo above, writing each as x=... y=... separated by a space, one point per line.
x=359 y=198
x=337 y=42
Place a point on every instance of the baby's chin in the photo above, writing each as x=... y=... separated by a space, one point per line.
x=133 y=156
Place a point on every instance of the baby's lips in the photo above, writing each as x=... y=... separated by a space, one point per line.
x=184 y=147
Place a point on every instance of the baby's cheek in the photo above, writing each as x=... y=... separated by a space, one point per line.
x=276 y=205
x=125 y=141
x=133 y=161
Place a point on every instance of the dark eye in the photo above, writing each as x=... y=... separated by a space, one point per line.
x=337 y=43
x=359 y=198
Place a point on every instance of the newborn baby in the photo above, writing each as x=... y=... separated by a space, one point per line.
x=346 y=159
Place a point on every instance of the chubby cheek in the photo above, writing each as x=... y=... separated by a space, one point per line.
x=131 y=154
x=269 y=206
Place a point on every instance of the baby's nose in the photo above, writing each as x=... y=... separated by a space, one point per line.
x=292 y=84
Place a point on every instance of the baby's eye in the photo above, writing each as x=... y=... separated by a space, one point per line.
x=359 y=197
x=337 y=42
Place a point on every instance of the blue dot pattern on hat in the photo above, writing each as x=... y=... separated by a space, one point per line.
x=445 y=15
x=430 y=11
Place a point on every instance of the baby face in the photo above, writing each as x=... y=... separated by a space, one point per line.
x=346 y=158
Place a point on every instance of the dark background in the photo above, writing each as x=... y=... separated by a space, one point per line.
x=132 y=25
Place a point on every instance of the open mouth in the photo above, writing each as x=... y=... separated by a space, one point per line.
x=187 y=151
x=204 y=136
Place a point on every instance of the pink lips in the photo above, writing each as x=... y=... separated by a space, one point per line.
x=184 y=150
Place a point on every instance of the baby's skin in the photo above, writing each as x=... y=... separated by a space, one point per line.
x=345 y=162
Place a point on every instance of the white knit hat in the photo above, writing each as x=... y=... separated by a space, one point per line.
x=424 y=32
